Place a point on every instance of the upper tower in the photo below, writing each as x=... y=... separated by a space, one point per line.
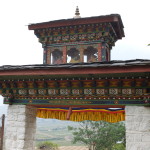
x=78 y=39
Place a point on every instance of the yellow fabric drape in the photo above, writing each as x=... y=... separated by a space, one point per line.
x=81 y=116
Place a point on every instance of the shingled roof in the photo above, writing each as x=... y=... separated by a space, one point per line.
x=121 y=63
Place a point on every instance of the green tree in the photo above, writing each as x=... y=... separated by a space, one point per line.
x=119 y=146
x=46 y=145
x=99 y=135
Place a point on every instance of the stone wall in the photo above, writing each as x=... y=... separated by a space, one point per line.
x=0 y=136
x=137 y=128
x=20 y=128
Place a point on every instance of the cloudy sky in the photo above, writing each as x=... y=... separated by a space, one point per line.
x=19 y=46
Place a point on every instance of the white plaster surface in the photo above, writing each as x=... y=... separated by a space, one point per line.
x=137 y=128
x=20 y=128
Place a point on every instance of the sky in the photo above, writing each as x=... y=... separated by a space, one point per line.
x=19 y=46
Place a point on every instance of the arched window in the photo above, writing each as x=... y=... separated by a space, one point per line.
x=90 y=54
x=56 y=57
x=73 y=56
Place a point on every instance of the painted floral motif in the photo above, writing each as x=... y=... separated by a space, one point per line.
x=113 y=91
x=73 y=38
x=88 y=91
x=126 y=91
x=139 y=91
x=57 y=39
x=76 y=91
x=41 y=91
x=91 y=36
x=51 y=91
x=64 y=91
x=22 y=92
x=100 y=91
x=31 y=91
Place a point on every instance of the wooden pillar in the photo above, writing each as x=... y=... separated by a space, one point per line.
x=44 y=55
x=64 y=54
x=48 y=59
x=99 y=52
x=69 y=113
x=82 y=54
x=109 y=54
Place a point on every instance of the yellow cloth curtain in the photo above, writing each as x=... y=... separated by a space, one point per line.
x=81 y=116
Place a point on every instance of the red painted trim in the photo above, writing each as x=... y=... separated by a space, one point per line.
x=86 y=110
x=71 y=22
x=79 y=106
x=76 y=71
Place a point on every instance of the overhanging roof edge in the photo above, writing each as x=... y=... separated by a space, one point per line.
x=136 y=62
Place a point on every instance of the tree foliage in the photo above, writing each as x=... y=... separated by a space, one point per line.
x=119 y=146
x=46 y=145
x=99 y=135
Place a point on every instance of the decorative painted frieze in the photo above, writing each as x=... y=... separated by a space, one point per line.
x=83 y=91
x=103 y=32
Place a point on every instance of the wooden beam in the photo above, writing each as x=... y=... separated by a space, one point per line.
x=69 y=113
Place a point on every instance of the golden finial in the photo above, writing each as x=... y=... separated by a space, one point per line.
x=77 y=14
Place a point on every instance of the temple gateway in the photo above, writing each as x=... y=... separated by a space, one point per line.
x=77 y=81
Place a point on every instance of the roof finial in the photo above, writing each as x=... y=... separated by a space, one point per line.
x=77 y=14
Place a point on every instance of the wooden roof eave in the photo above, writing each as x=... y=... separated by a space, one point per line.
x=74 y=71
x=81 y=21
x=71 y=22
